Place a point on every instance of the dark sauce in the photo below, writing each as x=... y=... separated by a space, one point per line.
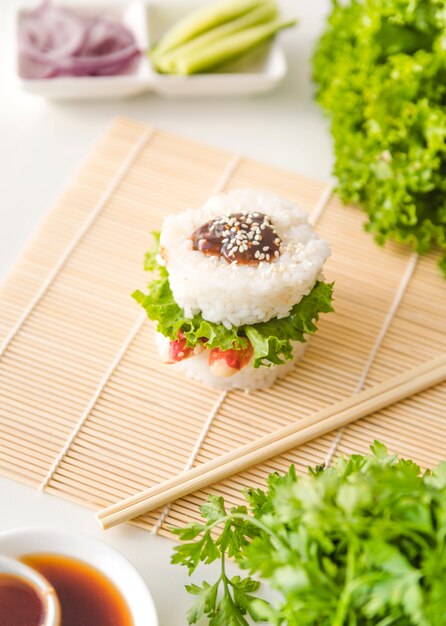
x=244 y=238
x=86 y=596
x=20 y=604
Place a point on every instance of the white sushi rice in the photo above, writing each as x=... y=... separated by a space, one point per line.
x=233 y=294
x=248 y=378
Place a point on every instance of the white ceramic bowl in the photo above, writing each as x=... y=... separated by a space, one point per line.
x=261 y=70
x=37 y=582
x=132 y=14
x=119 y=571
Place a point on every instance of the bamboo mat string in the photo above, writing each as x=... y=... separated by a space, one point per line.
x=219 y=187
x=127 y=163
x=207 y=425
x=405 y=280
x=83 y=418
x=227 y=174
x=321 y=203
x=315 y=215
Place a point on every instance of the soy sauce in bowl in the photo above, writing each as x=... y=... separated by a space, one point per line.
x=20 y=603
x=86 y=596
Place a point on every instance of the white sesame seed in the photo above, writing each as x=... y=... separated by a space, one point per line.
x=265 y=248
x=276 y=253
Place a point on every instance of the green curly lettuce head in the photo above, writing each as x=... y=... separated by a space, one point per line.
x=380 y=68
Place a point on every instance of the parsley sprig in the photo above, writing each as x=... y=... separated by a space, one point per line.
x=227 y=601
x=361 y=543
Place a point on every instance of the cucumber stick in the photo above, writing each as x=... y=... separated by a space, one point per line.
x=201 y=20
x=229 y=48
x=265 y=12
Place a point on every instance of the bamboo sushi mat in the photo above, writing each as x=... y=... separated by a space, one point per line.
x=88 y=413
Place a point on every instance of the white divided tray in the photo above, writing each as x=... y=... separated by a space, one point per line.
x=259 y=71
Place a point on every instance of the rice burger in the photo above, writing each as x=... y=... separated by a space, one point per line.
x=239 y=289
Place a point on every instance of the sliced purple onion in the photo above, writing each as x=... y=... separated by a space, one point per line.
x=56 y=42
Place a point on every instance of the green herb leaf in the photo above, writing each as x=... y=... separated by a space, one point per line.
x=206 y=602
x=213 y=509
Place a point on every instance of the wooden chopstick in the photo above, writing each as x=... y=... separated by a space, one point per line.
x=331 y=418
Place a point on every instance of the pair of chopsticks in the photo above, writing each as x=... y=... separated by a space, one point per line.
x=331 y=418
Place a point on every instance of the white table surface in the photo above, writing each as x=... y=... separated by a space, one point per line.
x=42 y=143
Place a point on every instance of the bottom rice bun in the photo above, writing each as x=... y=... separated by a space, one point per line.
x=246 y=378
x=237 y=289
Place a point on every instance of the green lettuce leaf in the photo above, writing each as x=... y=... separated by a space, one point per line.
x=271 y=341
x=161 y=307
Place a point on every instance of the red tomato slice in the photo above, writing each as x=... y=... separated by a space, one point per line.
x=178 y=350
x=229 y=362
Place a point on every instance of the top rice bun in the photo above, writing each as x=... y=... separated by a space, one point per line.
x=235 y=294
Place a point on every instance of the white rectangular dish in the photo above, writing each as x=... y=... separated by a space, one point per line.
x=260 y=71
